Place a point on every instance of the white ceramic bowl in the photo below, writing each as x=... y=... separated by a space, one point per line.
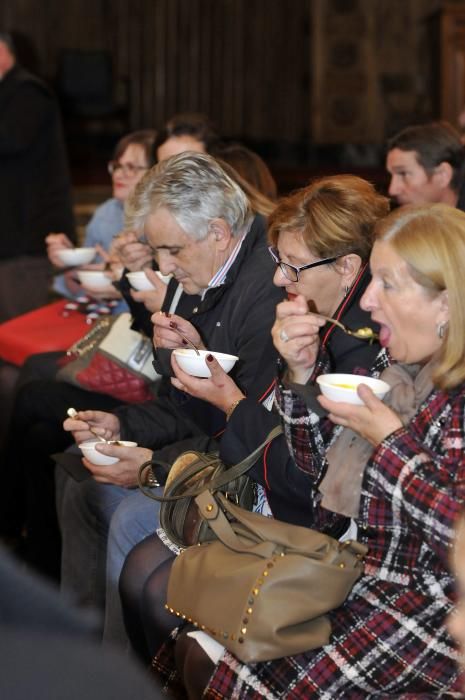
x=90 y=453
x=76 y=256
x=93 y=279
x=343 y=387
x=197 y=365
x=141 y=282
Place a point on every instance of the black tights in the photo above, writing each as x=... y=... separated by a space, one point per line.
x=143 y=586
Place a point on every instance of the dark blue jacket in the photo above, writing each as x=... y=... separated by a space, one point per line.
x=235 y=318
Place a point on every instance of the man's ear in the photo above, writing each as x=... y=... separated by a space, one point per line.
x=221 y=233
x=443 y=174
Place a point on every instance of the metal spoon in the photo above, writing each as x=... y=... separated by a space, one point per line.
x=72 y=413
x=364 y=333
x=189 y=342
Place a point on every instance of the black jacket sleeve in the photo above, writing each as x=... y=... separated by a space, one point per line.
x=287 y=488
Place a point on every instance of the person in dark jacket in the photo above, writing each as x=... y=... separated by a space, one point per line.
x=35 y=193
x=322 y=237
x=202 y=231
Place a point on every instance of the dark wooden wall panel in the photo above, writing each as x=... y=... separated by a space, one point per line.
x=240 y=61
x=262 y=69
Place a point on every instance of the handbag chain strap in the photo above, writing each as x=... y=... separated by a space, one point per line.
x=223 y=478
x=92 y=338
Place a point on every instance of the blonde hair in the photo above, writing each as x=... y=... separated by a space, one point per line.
x=335 y=215
x=431 y=239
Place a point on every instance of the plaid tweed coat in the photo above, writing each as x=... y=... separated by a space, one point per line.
x=389 y=638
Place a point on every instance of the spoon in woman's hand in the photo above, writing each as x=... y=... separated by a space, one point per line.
x=72 y=413
x=365 y=333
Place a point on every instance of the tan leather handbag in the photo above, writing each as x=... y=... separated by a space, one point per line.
x=263 y=588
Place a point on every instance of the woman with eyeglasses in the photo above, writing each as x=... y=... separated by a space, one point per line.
x=321 y=240
x=397 y=468
x=131 y=159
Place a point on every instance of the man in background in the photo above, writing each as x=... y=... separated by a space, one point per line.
x=35 y=194
x=426 y=163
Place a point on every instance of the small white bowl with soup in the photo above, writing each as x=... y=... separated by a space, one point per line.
x=90 y=453
x=197 y=365
x=343 y=387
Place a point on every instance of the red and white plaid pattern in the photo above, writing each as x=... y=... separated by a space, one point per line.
x=389 y=638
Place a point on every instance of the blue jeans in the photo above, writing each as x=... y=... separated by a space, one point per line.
x=135 y=518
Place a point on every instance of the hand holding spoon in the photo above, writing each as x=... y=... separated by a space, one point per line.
x=72 y=413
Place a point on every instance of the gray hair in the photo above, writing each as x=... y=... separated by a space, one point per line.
x=195 y=189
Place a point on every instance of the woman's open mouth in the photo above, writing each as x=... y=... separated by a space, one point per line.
x=384 y=335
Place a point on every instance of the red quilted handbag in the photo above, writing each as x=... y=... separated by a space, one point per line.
x=112 y=359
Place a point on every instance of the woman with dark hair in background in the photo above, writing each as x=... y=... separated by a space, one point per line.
x=196 y=132
x=250 y=166
x=187 y=131
x=132 y=158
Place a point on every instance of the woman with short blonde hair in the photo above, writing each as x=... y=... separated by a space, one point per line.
x=430 y=240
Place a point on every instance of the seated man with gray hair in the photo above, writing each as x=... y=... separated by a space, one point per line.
x=202 y=231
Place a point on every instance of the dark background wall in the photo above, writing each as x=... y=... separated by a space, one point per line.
x=295 y=78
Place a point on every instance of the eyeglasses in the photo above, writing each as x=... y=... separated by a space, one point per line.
x=292 y=272
x=128 y=169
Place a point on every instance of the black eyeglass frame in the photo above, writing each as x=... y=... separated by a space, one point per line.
x=285 y=267
x=115 y=165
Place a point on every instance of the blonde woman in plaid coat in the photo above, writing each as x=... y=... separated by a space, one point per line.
x=389 y=638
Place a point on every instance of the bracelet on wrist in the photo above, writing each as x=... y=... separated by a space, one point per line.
x=233 y=407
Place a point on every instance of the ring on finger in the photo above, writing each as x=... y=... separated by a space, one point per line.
x=283 y=335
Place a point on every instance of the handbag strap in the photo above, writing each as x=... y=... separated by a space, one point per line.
x=241 y=468
x=213 y=514
x=230 y=523
x=218 y=481
x=202 y=461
